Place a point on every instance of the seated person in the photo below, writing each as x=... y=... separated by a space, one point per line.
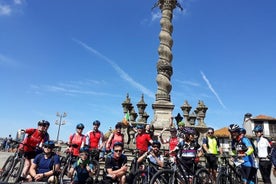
x=82 y=170
x=46 y=165
x=116 y=164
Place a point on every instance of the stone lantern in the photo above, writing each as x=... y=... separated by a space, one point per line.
x=186 y=108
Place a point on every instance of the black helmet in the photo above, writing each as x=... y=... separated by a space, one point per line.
x=234 y=128
x=97 y=122
x=242 y=130
x=49 y=144
x=42 y=123
x=189 y=131
x=118 y=125
x=157 y=143
x=140 y=126
x=80 y=126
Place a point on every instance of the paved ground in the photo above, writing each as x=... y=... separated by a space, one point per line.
x=4 y=156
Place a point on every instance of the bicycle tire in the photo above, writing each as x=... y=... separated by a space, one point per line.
x=15 y=171
x=63 y=178
x=6 y=167
x=97 y=171
x=141 y=177
x=168 y=176
x=202 y=176
x=222 y=178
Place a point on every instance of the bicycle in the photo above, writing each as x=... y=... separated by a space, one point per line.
x=178 y=173
x=229 y=172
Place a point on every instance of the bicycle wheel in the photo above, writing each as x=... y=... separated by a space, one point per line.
x=202 y=176
x=6 y=168
x=142 y=177
x=63 y=178
x=97 y=170
x=168 y=176
x=222 y=178
x=15 y=171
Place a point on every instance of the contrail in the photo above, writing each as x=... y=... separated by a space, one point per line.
x=212 y=89
x=120 y=71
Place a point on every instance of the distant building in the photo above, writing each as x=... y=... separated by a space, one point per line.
x=224 y=138
x=267 y=122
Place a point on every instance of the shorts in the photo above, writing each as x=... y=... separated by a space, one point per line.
x=212 y=162
x=30 y=154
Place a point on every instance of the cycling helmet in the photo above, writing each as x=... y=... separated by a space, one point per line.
x=234 y=128
x=189 y=131
x=80 y=126
x=49 y=144
x=210 y=128
x=47 y=123
x=157 y=143
x=258 y=128
x=140 y=126
x=173 y=129
x=181 y=123
x=118 y=125
x=118 y=144
x=242 y=130
x=42 y=123
x=97 y=122
x=84 y=149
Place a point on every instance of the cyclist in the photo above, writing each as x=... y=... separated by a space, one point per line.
x=173 y=140
x=95 y=136
x=82 y=168
x=46 y=165
x=211 y=147
x=115 y=136
x=29 y=145
x=143 y=140
x=243 y=149
x=189 y=151
x=77 y=140
x=264 y=151
x=154 y=155
x=116 y=165
x=273 y=157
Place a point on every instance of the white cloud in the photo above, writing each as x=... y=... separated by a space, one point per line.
x=5 y=10
x=18 y=2
x=120 y=71
x=212 y=89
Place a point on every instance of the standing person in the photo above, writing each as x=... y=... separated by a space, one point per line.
x=116 y=165
x=180 y=129
x=82 y=170
x=29 y=145
x=115 y=136
x=273 y=157
x=243 y=149
x=46 y=165
x=77 y=140
x=95 y=137
x=173 y=140
x=8 y=143
x=212 y=148
x=264 y=150
x=143 y=140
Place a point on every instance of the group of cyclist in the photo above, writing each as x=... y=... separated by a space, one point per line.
x=183 y=143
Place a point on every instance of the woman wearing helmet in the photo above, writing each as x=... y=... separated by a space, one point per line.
x=189 y=150
x=264 y=150
x=154 y=154
x=77 y=140
x=45 y=165
x=115 y=136
x=82 y=170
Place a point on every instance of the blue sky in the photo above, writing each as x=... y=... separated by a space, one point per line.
x=83 y=57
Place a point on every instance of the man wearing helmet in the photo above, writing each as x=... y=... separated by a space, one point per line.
x=212 y=147
x=243 y=149
x=77 y=140
x=143 y=140
x=95 y=136
x=45 y=165
x=82 y=170
x=264 y=151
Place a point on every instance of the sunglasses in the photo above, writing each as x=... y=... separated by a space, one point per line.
x=210 y=132
x=48 y=147
x=118 y=151
x=44 y=125
x=155 y=146
x=84 y=154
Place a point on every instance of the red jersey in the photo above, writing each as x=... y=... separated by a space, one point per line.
x=76 y=139
x=117 y=138
x=94 y=139
x=33 y=139
x=172 y=144
x=142 y=142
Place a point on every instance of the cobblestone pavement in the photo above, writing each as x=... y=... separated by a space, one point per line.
x=5 y=155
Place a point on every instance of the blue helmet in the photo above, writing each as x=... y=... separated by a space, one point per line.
x=84 y=149
x=97 y=122
x=157 y=143
x=258 y=128
x=242 y=130
x=80 y=126
x=49 y=144
x=139 y=126
x=189 y=131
